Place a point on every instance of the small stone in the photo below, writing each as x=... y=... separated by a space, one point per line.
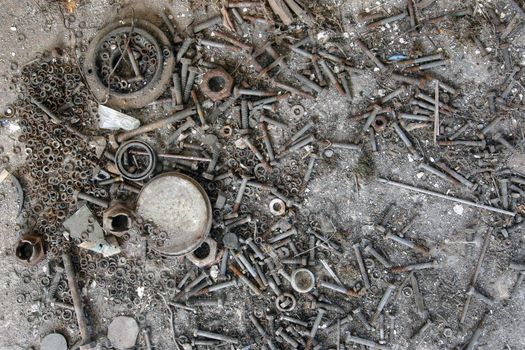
x=458 y=209
x=122 y=332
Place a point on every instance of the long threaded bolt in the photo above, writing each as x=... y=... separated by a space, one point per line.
x=258 y=154
x=472 y=291
x=423 y=329
x=134 y=64
x=517 y=266
x=92 y=199
x=366 y=342
x=338 y=288
x=177 y=89
x=488 y=129
x=387 y=20
x=312 y=85
x=274 y=122
x=383 y=302
x=361 y=264
x=315 y=327
x=267 y=141
x=404 y=138
x=309 y=170
x=224 y=263
x=359 y=315
x=393 y=94
x=500 y=139
x=328 y=72
x=184 y=71
x=287 y=338
x=370 y=54
x=515 y=290
x=245 y=280
x=189 y=84
x=467 y=143
x=221 y=286
x=418 y=297
x=428 y=66
x=299 y=144
x=409 y=80
x=258 y=326
x=246 y=263
x=216 y=336
x=250 y=92
x=54 y=283
x=200 y=112
x=255 y=248
x=207 y=24
x=244 y=114
x=504 y=189
x=370 y=250
x=184 y=48
x=422 y=59
x=271 y=99
x=85 y=332
x=219 y=45
x=147 y=340
x=233 y=41
x=415 y=267
x=439 y=174
x=283 y=235
x=371 y=117
x=298 y=135
x=319 y=75
x=240 y=194
x=345 y=80
x=455 y=174
x=177 y=117
x=294 y=320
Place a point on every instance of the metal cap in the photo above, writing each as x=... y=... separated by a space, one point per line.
x=179 y=206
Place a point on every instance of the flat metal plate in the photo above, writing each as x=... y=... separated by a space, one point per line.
x=54 y=341
x=178 y=205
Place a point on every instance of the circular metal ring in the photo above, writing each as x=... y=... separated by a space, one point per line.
x=147 y=151
x=285 y=302
x=277 y=207
x=298 y=110
x=150 y=84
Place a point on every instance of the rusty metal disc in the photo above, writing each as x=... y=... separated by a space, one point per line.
x=179 y=206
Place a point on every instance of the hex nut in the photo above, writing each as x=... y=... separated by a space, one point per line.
x=217 y=84
x=380 y=123
x=30 y=250
x=205 y=254
x=117 y=219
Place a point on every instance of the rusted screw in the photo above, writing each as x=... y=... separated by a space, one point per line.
x=189 y=83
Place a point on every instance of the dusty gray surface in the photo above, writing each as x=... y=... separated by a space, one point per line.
x=331 y=200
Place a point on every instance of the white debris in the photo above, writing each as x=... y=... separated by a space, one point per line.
x=114 y=120
x=458 y=209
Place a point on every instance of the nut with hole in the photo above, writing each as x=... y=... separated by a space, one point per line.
x=277 y=207
x=205 y=254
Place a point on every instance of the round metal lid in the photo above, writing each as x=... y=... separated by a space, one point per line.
x=177 y=205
